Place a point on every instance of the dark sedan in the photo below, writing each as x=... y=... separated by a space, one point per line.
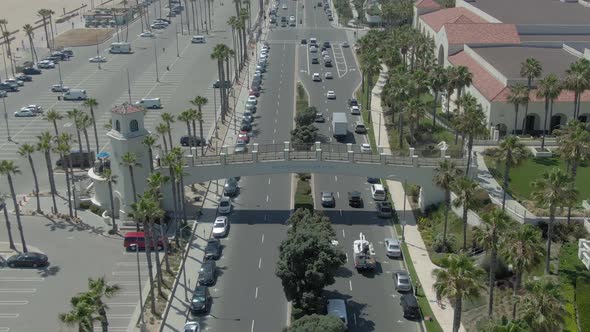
x=185 y=141
x=208 y=273
x=200 y=301
x=31 y=71
x=30 y=259
x=213 y=249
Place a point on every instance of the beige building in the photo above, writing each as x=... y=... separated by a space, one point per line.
x=493 y=37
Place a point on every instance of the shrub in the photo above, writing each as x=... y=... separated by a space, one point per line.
x=443 y=245
x=563 y=232
x=482 y=197
x=96 y=210
x=502 y=271
x=85 y=205
x=583 y=302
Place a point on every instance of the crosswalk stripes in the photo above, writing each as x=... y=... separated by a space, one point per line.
x=26 y=130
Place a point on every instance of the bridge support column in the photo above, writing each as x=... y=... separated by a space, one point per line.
x=318 y=151
x=255 y=153
x=350 y=152
x=286 y=150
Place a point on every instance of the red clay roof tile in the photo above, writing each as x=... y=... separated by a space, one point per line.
x=426 y=4
x=483 y=81
x=484 y=33
x=437 y=19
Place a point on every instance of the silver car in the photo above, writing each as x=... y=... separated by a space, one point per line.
x=392 y=247
x=402 y=281
x=224 y=205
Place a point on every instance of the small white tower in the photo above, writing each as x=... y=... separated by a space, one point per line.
x=126 y=135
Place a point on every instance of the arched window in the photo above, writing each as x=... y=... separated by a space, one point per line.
x=133 y=126
x=118 y=126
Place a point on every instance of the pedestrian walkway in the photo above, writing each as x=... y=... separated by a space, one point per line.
x=413 y=239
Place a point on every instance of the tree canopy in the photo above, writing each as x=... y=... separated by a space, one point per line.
x=306 y=117
x=327 y=323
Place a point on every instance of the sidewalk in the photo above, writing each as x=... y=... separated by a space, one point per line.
x=413 y=239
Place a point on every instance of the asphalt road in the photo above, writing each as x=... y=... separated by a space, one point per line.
x=190 y=74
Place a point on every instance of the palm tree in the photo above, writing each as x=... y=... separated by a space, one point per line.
x=44 y=14
x=99 y=288
x=82 y=313
x=64 y=149
x=45 y=145
x=542 y=306
x=472 y=124
x=522 y=249
x=451 y=74
x=554 y=189
x=199 y=102
x=415 y=109
x=155 y=182
x=85 y=121
x=465 y=188
x=163 y=129
x=531 y=68
x=370 y=65
x=233 y=23
x=150 y=141
x=437 y=80
x=446 y=174
x=549 y=88
x=463 y=79
x=518 y=96
x=91 y=103
x=111 y=178
x=9 y=169
x=198 y=116
x=512 y=153
x=75 y=115
x=179 y=175
x=459 y=278
x=219 y=55
x=577 y=80
x=574 y=147
x=53 y=116
x=129 y=160
x=7 y=221
x=168 y=119
x=185 y=116
x=492 y=230
x=6 y=35
x=170 y=160
x=27 y=150
x=29 y=30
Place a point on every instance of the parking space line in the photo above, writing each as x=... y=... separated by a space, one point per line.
x=9 y=315
x=13 y=302
x=15 y=290
x=21 y=279
x=4 y=329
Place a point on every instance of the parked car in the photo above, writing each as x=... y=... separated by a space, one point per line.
x=384 y=209
x=366 y=148
x=352 y=102
x=29 y=259
x=319 y=117
x=46 y=64
x=402 y=281
x=34 y=108
x=213 y=249
x=392 y=247
x=24 y=78
x=192 y=141
x=328 y=75
x=243 y=136
x=410 y=306
x=147 y=34
x=97 y=59
x=59 y=88
x=245 y=126
x=230 y=188
x=355 y=110
x=224 y=205
x=31 y=71
x=8 y=87
x=207 y=273
x=24 y=113
x=217 y=84
x=331 y=95
x=328 y=199
x=13 y=82
x=200 y=300
x=220 y=226
x=355 y=199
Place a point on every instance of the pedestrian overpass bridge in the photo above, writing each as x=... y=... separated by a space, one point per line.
x=415 y=167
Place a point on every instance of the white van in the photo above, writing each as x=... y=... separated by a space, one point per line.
x=337 y=307
x=313 y=41
x=120 y=48
x=75 y=94
x=149 y=103
x=378 y=192
x=198 y=40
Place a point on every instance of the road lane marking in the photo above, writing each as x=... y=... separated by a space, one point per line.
x=260 y=263
x=267 y=198
x=20 y=290
x=350 y=284
x=335 y=178
x=343 y=234
x=13 y=302
x=346 y=254
x=4 y=329
x=21 y=279
x=256 y=294
x=269 y=178
x=9 y=315
x=338 y=194
x=262 y=241
x=252 y=327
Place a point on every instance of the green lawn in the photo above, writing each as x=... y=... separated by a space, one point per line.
x=522 y=176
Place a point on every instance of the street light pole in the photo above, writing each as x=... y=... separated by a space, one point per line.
x=177 y=53
x=6 y=120
x=156 y=57
x=404 y=214
x=215 y=111
x=61 y=83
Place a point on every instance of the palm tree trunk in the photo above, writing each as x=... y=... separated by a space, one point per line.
x=545 y=123
x=65 y=164
x=201 y=134
x=134 y=190
x=190 y=138
x=457 y=312
x=94 y=127
x=465 y=226
x=46 y=32
x=55 y=128
x=104 y=321
x=550 y=116
x=574 y=173
x=36 y=183
x=8 y=228
x=159 y=276
x=195 y=25
x=183 y=199
x=173 y=186
x=151 y=156
x=208 y=3
x=89 y=155
x=492 y=276
x=469 y=153
x=114 y=228
x=166 y=261
x=434 y=110
x=401 y=130
x=165 y=145
x=79 y=139
x=52 y=34
x=506 y=178
x=245 y=43
x=32 y=48
x=515 y=288
x=51 y=180
x=170 y=137
x=149 y=240
x=188 y=22
x=515 y=118
x=447 y=208
x=140 y=9
x=549 y=236
x=17 y=211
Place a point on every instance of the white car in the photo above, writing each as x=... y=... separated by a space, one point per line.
x=284 y=6
x=331 y=95
x=147 y=34
x=159 y=25
x=33 y=108
x=98 y=58
x=328 y=75
x=313 y=49
x=324 y=53
x=392 y=247
x=224 y=205
x=316 y=77
x=59 y=88
x=3 y=93
x=366 y=148
x=45 y=64
x=265 y=48
x=14 y=82
x=252 y=100
x=345 y=45
x=220 y=226
x=24 y=113
x=191 y=326
x=355 y=110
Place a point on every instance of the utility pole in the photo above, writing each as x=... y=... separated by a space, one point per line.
x=128 y=86
x=404 y=214
x=156 y=57
x=6 y=120
x=176 y=33
x=61 y=83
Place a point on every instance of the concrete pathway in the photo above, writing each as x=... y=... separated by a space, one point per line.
x=416 y=247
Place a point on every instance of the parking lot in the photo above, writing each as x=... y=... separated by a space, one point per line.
x=31 y=299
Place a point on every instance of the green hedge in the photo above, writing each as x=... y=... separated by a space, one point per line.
x=303 y=197
x=583 y=302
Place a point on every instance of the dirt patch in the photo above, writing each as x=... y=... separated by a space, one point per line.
x=83 y=37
